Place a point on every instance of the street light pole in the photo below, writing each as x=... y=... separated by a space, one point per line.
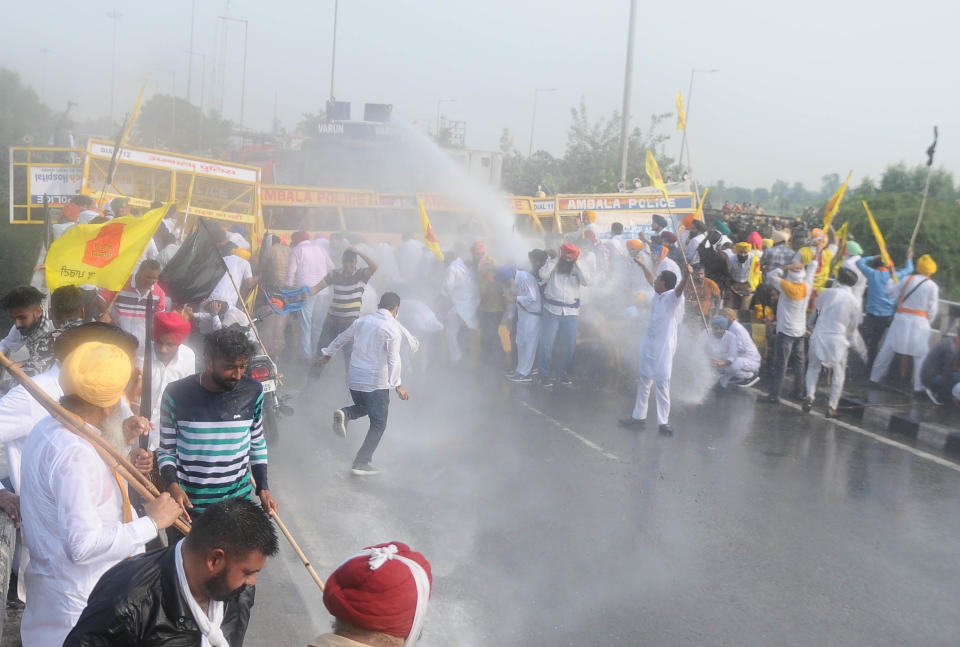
x=203 y=72
x=533 y=120
x=333 y=55
x=243 y=82
x=627 y=83
x=683 y=140
x=193 y=16
x=439 y=101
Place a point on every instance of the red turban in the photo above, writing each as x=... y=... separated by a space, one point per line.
x=668 y=237
x=384 y=588
x=298 y=237
x=171 y=323
x=687 y=221
x=478 y=249
x=569 y=252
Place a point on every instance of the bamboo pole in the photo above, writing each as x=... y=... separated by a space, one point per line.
x=114 y=459
x=296 y=549
x=923 y=204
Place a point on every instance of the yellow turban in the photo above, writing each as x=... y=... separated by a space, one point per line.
x=767 y=243
x=806 y=255
x=590 y=216
x=242 y=253
x=96 y=372
x=926 y=265
x=742 y=248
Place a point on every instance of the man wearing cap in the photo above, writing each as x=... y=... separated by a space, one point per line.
x=658 y=347
x=909 y=334
x=529 y=309
x=172 y=360
x=378 y=598
x=562 y=282
x=198 y=591
x=880 y=308
x=77 y=517
x=838 y=314
x=737 y=360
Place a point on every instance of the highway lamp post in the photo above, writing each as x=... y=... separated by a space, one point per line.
x=533 y=119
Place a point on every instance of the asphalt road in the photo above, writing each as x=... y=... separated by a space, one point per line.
x=546 y=524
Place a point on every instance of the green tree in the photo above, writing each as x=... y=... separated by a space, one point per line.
x=830 y=184
x=175 y=124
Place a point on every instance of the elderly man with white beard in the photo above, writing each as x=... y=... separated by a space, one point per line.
x=838 y=315
x=77 y=516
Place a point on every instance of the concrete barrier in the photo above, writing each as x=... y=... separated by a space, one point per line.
x=8 y=543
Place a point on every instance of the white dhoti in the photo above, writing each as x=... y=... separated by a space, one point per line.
x=740 y=368
x=663 y=399
x=814 y=362
x=528 y=336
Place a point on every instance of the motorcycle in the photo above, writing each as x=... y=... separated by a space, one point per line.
x=264 y=370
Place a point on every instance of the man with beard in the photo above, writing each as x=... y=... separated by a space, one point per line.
x=739 y=264
x=562 y=281
x=704 y=297
x=211 y=428
x=77 y=517
x=24 y=304
x=172 y=360
x=196 y=592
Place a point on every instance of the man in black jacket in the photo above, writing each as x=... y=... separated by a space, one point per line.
x=198 y=591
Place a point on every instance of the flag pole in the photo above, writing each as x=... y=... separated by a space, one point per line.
x=926 y=186
x=146 y=392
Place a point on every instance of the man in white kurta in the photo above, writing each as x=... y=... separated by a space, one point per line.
x=909 y=333
x=658 y=347
x=529 y=308
x=77 y=518
x=172 y=360
x=838 y=315
x=737 y=359
x=460 y=286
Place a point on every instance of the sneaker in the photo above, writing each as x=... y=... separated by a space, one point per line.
x=807 y=405
x=340 y=423
x=516 y=377
x=830 y=413
x=666 y=430
x=933 y=398
x=509 y=373
x=365 y=469
x=748 y=382
x=632 y=423
x=548 y=385
x=565 y=381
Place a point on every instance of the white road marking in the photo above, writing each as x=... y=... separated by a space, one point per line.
x=919 y=453
x=586 y=441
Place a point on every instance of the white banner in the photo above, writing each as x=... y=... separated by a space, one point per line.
x=59 y=183
x=209 y=168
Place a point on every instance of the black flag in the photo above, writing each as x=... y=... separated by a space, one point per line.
x=933 y=147
x=195 y=270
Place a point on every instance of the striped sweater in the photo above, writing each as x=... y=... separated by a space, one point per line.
x=208 y=439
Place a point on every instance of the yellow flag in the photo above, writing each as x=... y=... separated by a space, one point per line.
x=653 y=172
x=132 y=118
x=833 y=204
x=681 y=113
x=884 y=254
x=756 y=273
x=699 y=214
x=102 y=255
x=842 y=236
x=432 y=243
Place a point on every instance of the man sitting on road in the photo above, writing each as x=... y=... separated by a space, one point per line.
x=378 y=598
x=198 y=591
x=941 y=369
x=738 y=360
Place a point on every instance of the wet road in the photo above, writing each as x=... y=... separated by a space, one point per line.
x=546 y=524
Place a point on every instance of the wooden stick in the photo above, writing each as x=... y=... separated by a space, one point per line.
x=114 y=459
x=296 y=549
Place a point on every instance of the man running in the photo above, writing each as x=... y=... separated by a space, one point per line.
x=211 y=428
x=373 y=371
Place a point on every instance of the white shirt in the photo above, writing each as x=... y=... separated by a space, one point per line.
x=183 y=364
x=73 y=526
x=167 y=254
x=562 y=289
x=860 y=287
x=838 y=315
x=460 y=284
x=660 y=342
x=239 y=269
x=910 y=333
x=86 y=216
x=792 y=313
x=692 y=251
x=19 y=414
x=238 y=240
x=528 y=292
x=737 y=343
x=740 y=272
x=375 y=362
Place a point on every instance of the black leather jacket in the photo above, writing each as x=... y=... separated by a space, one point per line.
x=138 y=602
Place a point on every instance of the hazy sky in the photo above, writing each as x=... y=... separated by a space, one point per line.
x=803 y=89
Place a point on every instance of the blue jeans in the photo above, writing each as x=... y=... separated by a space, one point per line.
x=942 y=385
x=305 y=319
x=560 y=331
x=374 y=404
